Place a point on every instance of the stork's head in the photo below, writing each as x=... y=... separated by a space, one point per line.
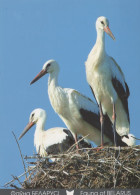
x=35 y=116
x=49 y=67
x=129 y=139
x=102 y=23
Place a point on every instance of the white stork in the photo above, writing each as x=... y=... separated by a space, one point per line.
x=79 y=113
x=107 y=82
x=52 y=141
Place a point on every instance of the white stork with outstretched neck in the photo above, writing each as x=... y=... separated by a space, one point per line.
x=107 y=82
x=79 y=113
x=52 y=141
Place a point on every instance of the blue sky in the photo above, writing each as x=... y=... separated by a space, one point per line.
x=35 y=31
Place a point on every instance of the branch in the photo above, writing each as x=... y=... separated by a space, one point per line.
x=18 y=176
x=20 y=154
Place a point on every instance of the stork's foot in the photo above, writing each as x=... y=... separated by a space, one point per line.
x=99 y=148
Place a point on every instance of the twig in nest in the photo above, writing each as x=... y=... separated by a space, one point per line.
x=14 y=186
x=65 y=173
x=114 y=173
x=17 y=177
x=87 y=160
x=122 y=148
x=89 y=170
x=72 y=147
x=81 y=180
x=20 y=154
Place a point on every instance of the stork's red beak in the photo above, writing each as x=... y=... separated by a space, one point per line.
x=108 y=31
x=29 y=125
x=38 y=76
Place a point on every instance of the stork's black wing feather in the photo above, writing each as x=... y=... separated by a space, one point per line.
x=94 y=120
x=93 y=93
x=122 y=94
x=91 y=118
x=62 y=147
x=109 y=131
x=68 y=133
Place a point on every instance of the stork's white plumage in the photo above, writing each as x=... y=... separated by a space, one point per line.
x=79 y=113
x=129 y=139
x=107 y=81
x=53 y=141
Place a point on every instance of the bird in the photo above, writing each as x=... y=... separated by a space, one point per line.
x=79 y=113
x=129 y=139
x=52 y=141
x=107 y=83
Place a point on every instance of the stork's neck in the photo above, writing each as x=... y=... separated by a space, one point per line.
x=97 y=53
x=100 y=41
x=53 y=80
x=57 y=95
x=40 y=124
x=38 y=136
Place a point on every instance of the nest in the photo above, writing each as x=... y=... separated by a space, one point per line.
x=110 y=167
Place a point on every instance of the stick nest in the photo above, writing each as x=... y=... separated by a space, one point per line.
x=109 y=167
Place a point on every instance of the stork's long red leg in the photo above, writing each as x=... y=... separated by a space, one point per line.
x=102 y=124
x=114 y=124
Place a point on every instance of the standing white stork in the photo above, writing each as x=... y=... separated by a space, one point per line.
x=107 y=82
x=53 y=141
x=79 y=113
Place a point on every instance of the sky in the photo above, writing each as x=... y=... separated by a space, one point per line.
x=32 y=32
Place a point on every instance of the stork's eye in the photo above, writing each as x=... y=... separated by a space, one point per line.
x=102 y=22
x=48 y=65
x=33 y=115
